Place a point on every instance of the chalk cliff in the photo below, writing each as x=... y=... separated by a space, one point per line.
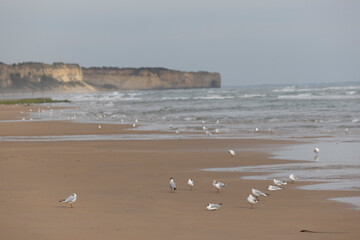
x=32 y=76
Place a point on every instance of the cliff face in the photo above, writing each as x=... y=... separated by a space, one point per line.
x=39 y=77
x=71 y=77
x=149 y=78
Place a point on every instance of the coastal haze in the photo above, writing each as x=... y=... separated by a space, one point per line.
x=247 y=42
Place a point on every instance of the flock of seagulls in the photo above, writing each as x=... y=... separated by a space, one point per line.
x=252 y=199
x=255 y=195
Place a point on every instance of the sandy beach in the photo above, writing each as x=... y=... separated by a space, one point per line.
x=123 y=189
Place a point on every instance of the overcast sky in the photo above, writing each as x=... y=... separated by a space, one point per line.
x=247 y=41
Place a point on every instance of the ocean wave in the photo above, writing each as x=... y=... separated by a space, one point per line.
x=253 y=95
x=286 y=89
x=290 y=89
x=175 y=98
x=214 y=97
x=342 y=88
x=318 y=97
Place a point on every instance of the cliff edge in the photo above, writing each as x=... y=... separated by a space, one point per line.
x=148 y=78
x=61 y=77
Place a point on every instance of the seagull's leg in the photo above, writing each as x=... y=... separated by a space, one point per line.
x=71 y=205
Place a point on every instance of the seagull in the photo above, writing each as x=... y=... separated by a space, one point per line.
x=232 y=152
x=208 y=133
x=252 y=200
x=172 y=185
x=219 y=185
x=316 y=151
x=99 y=126
x=258 y=193
x=134 y=125
x=190 y=182
x=213 y=206
x=279 y=182
x=177 y=131
x=293 y=178
x=217 y=130
x=70 y=199
x=274 y=188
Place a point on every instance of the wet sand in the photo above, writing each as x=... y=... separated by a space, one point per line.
x=123 y=192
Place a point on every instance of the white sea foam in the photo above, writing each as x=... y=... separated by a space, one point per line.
x=252 y=95
x=310 y=96
x=286 y=89
x=214 y=97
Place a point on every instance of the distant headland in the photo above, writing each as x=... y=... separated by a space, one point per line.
x=61 y=77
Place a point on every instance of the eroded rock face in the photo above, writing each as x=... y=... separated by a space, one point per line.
x=69 y=77
x=42 y=77
x=149 y=78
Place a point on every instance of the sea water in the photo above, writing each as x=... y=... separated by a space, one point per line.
x=325 y=115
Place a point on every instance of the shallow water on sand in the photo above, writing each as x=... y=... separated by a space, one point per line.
x=335 y=167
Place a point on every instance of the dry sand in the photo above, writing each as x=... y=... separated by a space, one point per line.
x=123 y=191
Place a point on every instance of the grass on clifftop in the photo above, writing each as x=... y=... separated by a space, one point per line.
x=27 y=101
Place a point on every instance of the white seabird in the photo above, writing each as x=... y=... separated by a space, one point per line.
x=219 y=185
x=190 y=182
x=213 y=206
x=172 y=185
x=70 y=199
x=232 y=152
x=316 y=151
x=279 y=182
x=252 y=200
x=274 y=188
x=293 y=178
x=258 y=193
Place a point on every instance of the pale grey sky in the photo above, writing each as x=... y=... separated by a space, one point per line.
x=247 y=41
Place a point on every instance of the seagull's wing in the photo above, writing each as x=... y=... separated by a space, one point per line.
x=70 y=198
x=172 y=185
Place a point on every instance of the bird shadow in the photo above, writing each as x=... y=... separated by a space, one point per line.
x=62 y=207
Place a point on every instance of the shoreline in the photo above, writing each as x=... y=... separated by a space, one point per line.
x=122 y=189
